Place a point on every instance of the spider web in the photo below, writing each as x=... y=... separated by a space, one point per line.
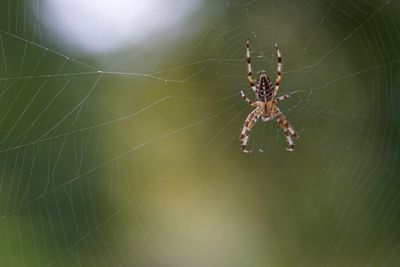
x=133 y=159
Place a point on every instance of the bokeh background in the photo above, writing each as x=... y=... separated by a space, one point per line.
x=119 y=126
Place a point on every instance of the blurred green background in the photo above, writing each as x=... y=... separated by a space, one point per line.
x=131 y=157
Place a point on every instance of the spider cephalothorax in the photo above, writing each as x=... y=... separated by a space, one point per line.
x=265 y=106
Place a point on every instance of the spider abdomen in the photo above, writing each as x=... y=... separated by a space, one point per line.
x=264 y=89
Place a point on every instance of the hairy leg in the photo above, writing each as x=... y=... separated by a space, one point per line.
x=288 y=130
x=249 y=70
x=248 y=100
x=247 y=126
x=278 y=69
x=280 y=98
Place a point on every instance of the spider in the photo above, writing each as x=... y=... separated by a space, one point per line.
x=265 y=106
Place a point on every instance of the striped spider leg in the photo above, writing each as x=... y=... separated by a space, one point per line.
x=248 y=124
x=288 y=130
x=266 y=104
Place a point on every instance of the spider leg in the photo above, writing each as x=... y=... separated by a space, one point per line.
x=276 y=100
x=248 y=124
x=288 y=130
x=249 y=70
x=248 y=100
x=278 y=69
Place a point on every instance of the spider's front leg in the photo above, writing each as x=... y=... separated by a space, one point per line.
x=248 y=124
x=290 y=133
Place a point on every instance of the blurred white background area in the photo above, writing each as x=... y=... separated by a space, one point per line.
x=103 y=26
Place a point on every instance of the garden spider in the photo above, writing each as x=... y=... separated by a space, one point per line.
x=265 y=106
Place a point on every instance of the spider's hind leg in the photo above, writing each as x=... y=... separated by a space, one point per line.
x=278 y=68
x=250 y=79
